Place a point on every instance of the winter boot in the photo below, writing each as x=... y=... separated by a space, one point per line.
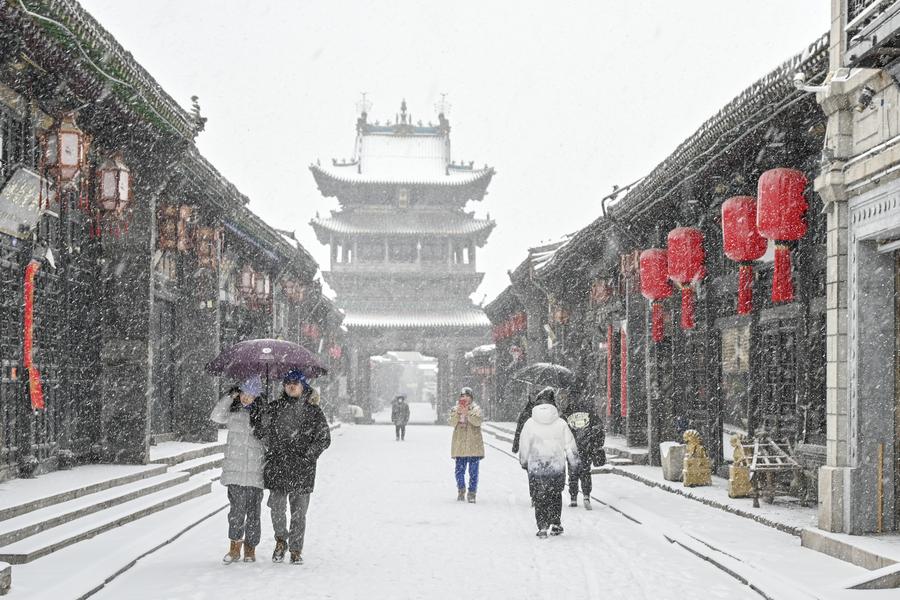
x=542 y=534
x=471 y=497
x=280 y=549
x=249 y=553
x=574 y=501
x=296 y=559
x=234 y=552
x=556 y=529
x=587 y=503
x=461 y=494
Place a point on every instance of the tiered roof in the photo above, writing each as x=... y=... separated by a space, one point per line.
x=461 y=318
x=402 y=153
x=410 y=223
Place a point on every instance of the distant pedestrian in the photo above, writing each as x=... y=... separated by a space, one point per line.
x=400 y=416
x=467 y=446
x=242 y=470
x=296 y=435
x=545 y=446
x=586 y=426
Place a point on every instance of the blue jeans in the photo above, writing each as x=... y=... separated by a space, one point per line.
x=472 y=463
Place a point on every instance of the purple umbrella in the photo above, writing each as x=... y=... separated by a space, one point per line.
x=270 y=358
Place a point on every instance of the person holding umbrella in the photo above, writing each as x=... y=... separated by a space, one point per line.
x=467 y=446
x=296 y=435
x=242 y=469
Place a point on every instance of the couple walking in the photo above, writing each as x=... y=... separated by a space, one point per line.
x=275 y=446
x=548 y=443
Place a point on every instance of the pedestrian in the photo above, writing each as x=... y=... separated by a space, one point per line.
x=524 y=415
x=586 y=426
x=467 y=446
x=545 y=446
x=400 y=416
x=242 y=470
x=296 y=435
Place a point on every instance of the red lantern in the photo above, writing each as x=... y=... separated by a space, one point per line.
x=115 y=184
x=655 y=285
x=780 y=216
x=685 y=258
x=742 y=243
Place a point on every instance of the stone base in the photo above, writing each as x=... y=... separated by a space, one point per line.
x=672 y=458
x=5 y=578
x=831 y=498
x=739 y=482
x=697 y=471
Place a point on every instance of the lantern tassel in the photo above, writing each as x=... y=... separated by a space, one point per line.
x=745 y=290
x=657 y=316
x=782 y=282
x=687 y=307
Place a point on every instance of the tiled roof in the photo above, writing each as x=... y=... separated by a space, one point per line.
x=401 y=223
x=413 y=319
x=396 y=175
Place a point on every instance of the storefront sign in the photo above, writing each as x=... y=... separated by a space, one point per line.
x=20 y=203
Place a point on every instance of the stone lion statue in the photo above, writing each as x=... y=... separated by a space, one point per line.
x=694 y=445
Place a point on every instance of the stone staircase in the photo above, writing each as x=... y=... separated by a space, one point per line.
x=42 y=525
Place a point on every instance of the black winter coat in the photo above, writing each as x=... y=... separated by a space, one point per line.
x=400 y=413
x=296 y=435
x=587 y=427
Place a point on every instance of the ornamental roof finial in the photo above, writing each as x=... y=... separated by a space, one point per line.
x=403 y=116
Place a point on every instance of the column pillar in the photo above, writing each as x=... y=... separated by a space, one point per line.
x=636 y=312
x=197 y=312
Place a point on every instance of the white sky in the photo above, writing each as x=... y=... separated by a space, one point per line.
x=564 y=99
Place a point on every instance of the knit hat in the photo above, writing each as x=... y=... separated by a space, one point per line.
x=252 y=386
x=295 y=375
x=467 y=391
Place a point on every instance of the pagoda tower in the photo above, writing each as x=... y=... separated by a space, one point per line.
x=403 y=248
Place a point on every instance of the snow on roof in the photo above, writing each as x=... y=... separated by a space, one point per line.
x=459 y=318
x=542 y=255
x=407 y=223
x=392 y=172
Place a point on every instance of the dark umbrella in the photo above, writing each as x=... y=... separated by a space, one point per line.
x=264 y=357
x=546 y=374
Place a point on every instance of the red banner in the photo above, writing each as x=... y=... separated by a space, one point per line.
x=623 y=374
x=35 y=391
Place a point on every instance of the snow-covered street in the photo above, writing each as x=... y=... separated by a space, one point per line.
x=384 y=523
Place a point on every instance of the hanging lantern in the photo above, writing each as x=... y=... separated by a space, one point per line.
x=261 y=287
x=741 y=242
x=65 y=149
x=185 y=227
x=245 y=284
x=655 y=286
x=115 y=184
x=207 y=246
x=781 y=216
x=685 y=267
x=167 y=228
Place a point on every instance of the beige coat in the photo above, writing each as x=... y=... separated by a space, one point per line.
x=467 y=439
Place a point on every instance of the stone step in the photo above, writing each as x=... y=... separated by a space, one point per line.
x=63 y=486
x=31 y=523
x=198 y=451
x=61 y=536
x=198 y=465
x=620 y=461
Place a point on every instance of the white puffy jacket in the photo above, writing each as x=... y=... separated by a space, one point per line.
x=546 y=443
x=244 y=452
